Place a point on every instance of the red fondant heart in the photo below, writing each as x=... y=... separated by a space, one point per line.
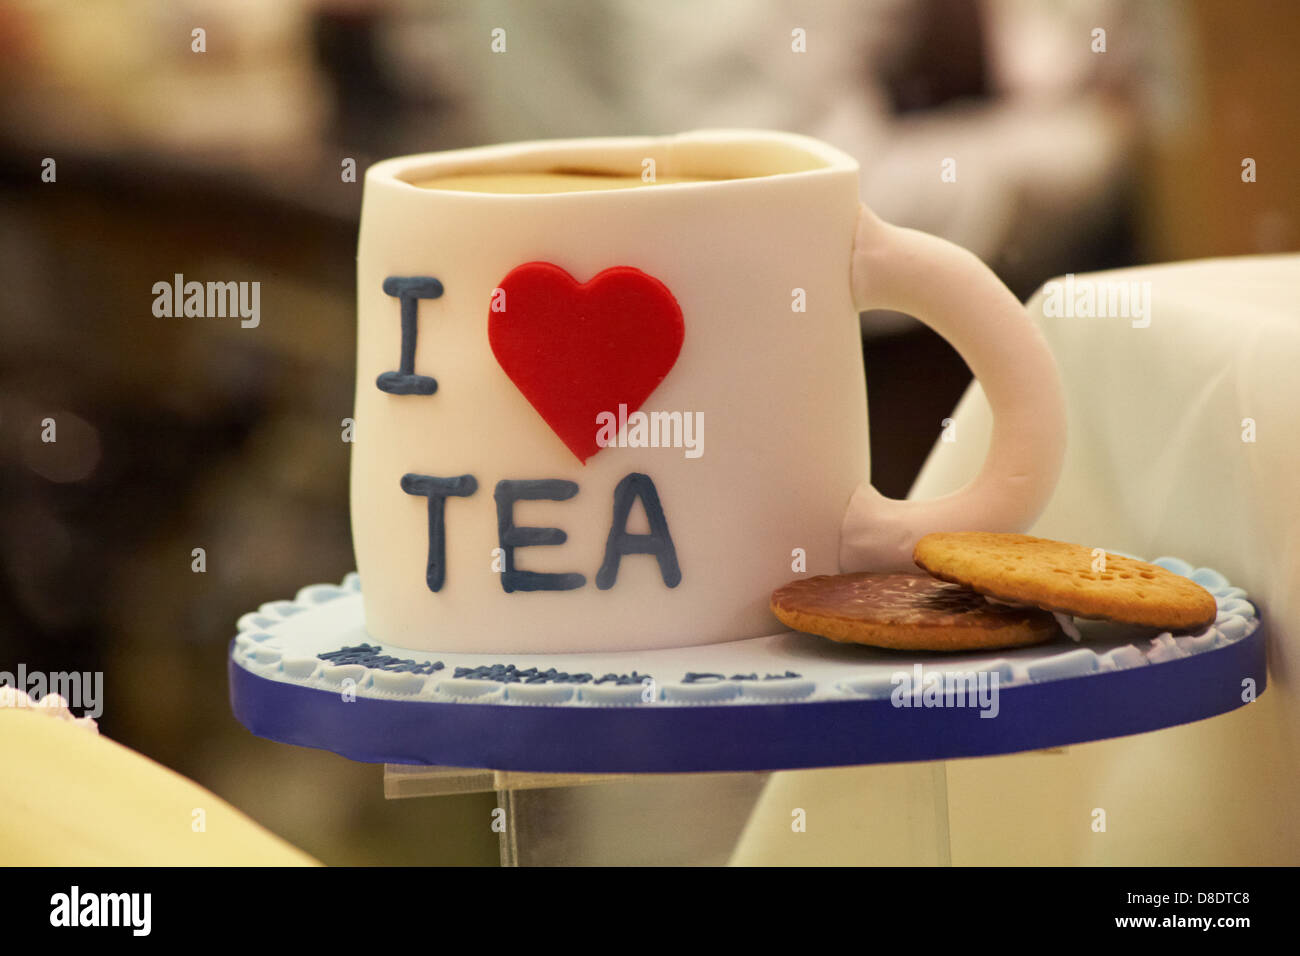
x=577 y=349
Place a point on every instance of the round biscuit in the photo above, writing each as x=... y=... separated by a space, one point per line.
x=905 y=611
x=1062 y=577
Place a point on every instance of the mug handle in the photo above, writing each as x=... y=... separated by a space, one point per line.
x=954 y=293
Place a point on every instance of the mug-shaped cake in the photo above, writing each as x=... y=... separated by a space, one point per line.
x=610 y=391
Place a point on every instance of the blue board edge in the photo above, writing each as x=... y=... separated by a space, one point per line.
x=748 y=737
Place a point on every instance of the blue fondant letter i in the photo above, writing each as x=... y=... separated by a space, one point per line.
x=409 y=290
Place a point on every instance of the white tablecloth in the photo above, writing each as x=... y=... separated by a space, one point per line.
x=1158 y=463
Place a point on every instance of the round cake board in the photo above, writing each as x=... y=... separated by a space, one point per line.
x=307 y=672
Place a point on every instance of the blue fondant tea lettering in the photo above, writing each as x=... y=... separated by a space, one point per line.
x=438 y=490
x=408 y=290
x=511 y=536
x=620 y=542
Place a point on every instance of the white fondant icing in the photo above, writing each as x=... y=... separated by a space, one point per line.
x=397 y=682
x=1066 y=623
x=1070 y=664
x=611 y=695
x=710 y=692
x=1165 y=647
x=1124 y=657
x=539 y=693
x=826 y=671
x=464 y=688
x=787 y=688
x=299 y=667
x=336 y=674
x=783 y=394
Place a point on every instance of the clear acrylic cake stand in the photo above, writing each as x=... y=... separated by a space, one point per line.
x=662 y=819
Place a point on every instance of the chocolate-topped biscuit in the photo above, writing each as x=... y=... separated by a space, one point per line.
x=905 y=611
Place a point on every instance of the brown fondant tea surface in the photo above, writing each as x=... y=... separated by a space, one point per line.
x=563 y=181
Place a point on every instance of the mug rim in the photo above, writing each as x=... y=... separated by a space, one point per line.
x=525 y=156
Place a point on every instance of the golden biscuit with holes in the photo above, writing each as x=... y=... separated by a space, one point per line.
x=1067 y=578
x=905 y=611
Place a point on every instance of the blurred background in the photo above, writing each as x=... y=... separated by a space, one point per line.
x=1087 y=134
